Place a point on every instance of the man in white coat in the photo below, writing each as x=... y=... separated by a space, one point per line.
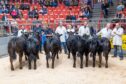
x=20 y=31
x=62 y=31
x=105 y=32
x=84 y=30
x=117 y=40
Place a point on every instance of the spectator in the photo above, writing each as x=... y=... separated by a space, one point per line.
x=35 y=13
x=62 y=31
x=1 y=11
x=120 y=7
x=30 y=13
x=5 y=10
x=47 y=2
x=74 y=2
x=67 y=2
x=19 y=13
x=110 y=2
x=70 y=17
x=14 y=14
x=43 y=10
x=117 y=40
x=5 y=22
x=104 y=8
x=86 y=13
x=24 y=6
x=53 y=3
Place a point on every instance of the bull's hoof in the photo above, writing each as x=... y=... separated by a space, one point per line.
x=106 y=66
x=86 y=65
x=74 y=66
x=52 y=67
x=99 y=66
x=12 y=69
x=93 y=66
x=35 y=68
x=21 y=68
x=29 y=68
x=47 y=66
x=81 y=67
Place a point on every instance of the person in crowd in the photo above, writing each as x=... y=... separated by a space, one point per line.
x=62 y=31
x=1 y=10
x=30 y=13
x=5 y=10
x=67 y=2
x=70 y=16
x=117 y=40
x=105 y=32
x=110 y=2
x=104 y=8
x=46 y=34
x=86 y=13
x=70 y=30
x=53 y=3
x=43 y=10
x=35 y=13
x=84 y=29
x=14 y=14
x=120 y=7
x=21 y=31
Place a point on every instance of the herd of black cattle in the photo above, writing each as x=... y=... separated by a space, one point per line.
x=28 y=46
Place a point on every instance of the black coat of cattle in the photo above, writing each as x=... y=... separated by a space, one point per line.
x=85 y=45
x=17 y=45
x=32 y=51
x=51 y=48
x=75 y=44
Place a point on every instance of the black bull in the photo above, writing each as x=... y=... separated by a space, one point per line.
x=23 y=45
x=80 y=46
x=52 y=48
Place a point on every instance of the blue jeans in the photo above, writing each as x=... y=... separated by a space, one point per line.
x=63 y=44
x=118 y=50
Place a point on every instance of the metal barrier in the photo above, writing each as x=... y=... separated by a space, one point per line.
x=6 y=36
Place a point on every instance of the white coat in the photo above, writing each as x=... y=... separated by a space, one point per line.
x=84 y=31
x=117 y=36
x=61 y=30
x=105 y=33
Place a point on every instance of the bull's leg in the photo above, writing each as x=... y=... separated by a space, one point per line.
x=86 y=65
x=53 y=59
x=20 y=59
x=11 y=62
x=29 y=61
x=68 y=54
x=94 y=58
x=57 y=56
x=26 y=58
x=81 y=64
x=35 y=64
x=47 y=61
x=74 y=58
x=100 y=60
x=106 y=59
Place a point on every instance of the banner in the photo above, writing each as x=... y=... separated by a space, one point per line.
x=123 y=40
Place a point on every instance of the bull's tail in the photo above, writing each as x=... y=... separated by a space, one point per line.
x=11 y=49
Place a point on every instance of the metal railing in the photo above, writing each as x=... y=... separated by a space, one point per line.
x=6 y=36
